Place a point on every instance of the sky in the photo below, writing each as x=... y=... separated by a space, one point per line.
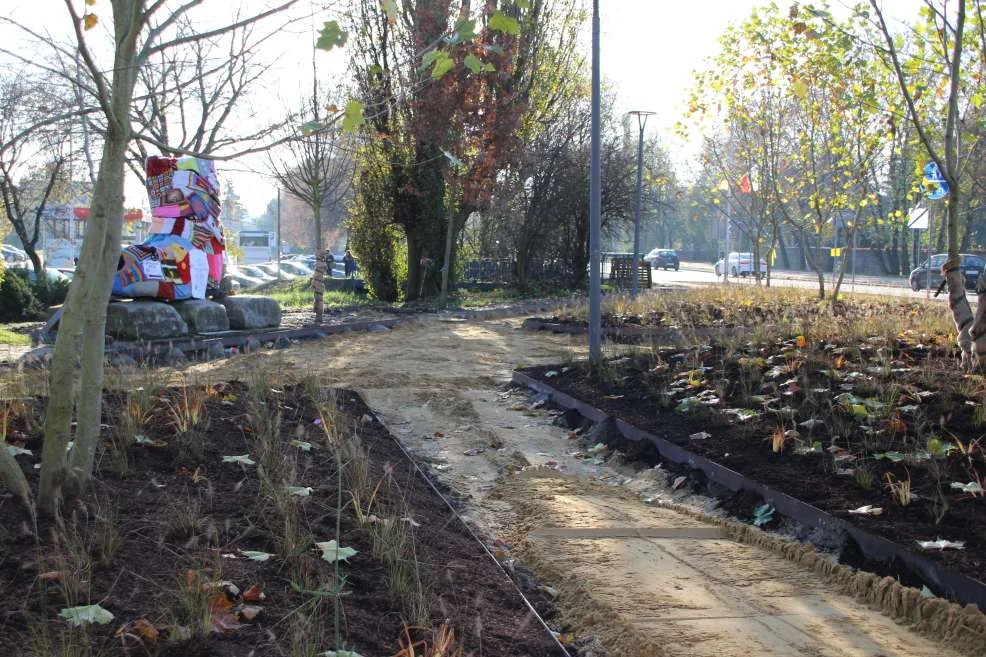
x=649 y=50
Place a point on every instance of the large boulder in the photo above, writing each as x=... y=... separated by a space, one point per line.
x=202 y=315
x=144 y=320
x=251 y=312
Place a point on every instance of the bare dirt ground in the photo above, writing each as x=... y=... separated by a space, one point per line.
x=645 y=580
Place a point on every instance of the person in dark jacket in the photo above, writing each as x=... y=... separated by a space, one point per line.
x=349 y=264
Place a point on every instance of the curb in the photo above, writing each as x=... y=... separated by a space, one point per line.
x=949 y=583
x=209 y=347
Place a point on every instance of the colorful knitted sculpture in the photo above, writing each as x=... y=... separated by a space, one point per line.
x=183 y=256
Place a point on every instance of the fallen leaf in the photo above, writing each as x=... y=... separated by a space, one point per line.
x=331 y=551
x=242 y=459
x=941 y=544
x=224 y=623
x=254 y=594
x=300 y=491
x=868 y=510
x=474 y=451
x=50 y=576
x=678 y=482
x=249 y=612
x=255 y=555
x=221 y=603
x=140 y=628
x=86 y=614
x=971 y=487
x=701 y=435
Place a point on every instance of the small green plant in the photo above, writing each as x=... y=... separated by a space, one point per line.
x=183 y=521
x=188 y=412
x=979 y=415
x=763 y=514
x=900 y=489
x=863 y=476
x=193 y=603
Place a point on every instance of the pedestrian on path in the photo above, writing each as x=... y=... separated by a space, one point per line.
x=349 y=264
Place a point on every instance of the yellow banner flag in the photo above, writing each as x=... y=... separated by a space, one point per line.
x=835 y=253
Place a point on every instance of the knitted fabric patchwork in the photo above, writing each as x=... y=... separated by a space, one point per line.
x=185 y=251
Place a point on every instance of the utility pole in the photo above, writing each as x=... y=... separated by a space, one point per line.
x=277 y=236
x=641 y=122
x=595 y=205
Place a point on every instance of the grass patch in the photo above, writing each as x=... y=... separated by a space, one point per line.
x=777 y=309
x=297 y=293
x=481 y=298
x=9 y=337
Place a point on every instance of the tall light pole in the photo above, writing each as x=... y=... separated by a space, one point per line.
x=595 y=205
x=641 y=122
x=277 y=236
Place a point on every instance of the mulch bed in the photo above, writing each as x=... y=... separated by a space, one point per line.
x=638 y=393
x=140 y=507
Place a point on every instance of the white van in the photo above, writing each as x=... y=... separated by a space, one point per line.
x=740 y=264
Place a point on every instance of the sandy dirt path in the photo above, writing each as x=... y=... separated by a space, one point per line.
x=648 y=581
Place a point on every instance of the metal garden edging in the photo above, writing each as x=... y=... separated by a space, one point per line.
x=434 y=487
x=950 y=583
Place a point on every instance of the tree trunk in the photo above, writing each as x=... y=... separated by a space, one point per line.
x=79 y=345
x=321 y=263
x=447 y=260
x=413 y=265
x=30 y=247
x=427 y=230
x=894 y=256
x=521 y=266
x=782 y=247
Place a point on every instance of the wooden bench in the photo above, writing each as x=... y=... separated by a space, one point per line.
x=621 y=273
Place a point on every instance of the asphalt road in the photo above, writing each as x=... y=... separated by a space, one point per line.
x=696 y=273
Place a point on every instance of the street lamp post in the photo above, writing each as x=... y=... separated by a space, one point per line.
x=641 y=122
x=278 y=236
x=595 y=203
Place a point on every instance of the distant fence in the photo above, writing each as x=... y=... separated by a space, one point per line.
x=504 y=270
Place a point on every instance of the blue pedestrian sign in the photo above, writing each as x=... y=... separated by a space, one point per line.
x=936 y=187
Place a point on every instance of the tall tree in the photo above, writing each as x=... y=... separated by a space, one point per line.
x=317 y=169
x=32 y=162
x=446 y=92
x=956 y=58
x=76 y=374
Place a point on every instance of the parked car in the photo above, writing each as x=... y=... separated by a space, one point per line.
x=740 y=264
x=254 y=271
x=270 y=268
x=972 y=266
x=53 y=275
x=14 y=257
x=663 y=259
x=241 y=280
x=296 y=267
